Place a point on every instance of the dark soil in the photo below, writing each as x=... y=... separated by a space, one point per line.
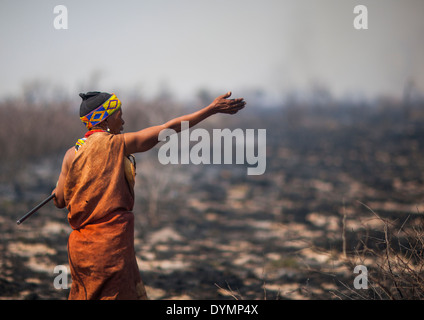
x=213 y=232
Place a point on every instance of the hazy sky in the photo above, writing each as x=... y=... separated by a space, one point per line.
x=238 y=45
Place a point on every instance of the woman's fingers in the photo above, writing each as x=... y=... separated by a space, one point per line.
x=235 y=107
x=225 y=96
x=231 y=106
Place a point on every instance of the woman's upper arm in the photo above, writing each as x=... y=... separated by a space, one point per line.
x=143 y=140
x=59 y=191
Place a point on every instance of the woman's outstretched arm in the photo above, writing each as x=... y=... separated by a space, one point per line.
x=146 y=139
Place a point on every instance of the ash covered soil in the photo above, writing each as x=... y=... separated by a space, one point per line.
x=213 y=232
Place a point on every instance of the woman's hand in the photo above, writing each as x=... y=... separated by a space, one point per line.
x=224 y=105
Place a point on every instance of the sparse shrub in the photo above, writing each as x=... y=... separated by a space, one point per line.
x=395 y=260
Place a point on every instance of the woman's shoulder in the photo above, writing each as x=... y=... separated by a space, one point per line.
x=69 y=156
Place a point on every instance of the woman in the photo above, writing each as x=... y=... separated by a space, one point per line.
x=96 y=185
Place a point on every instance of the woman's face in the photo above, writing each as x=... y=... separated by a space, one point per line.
x=115 y=122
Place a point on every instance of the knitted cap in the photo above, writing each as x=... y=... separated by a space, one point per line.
x=92 y=100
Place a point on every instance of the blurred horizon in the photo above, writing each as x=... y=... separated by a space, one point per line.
x=268 y=51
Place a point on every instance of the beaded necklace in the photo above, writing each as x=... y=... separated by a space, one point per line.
x=81 y=141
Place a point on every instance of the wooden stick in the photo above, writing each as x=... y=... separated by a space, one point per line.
x=35 y=209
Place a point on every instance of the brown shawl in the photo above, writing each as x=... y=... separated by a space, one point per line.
x=101 y=245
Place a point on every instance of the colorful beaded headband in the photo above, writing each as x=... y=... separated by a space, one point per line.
x=101 y=113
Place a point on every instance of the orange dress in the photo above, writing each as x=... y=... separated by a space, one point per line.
x=100 y=200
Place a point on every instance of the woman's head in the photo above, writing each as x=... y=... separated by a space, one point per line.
x=115 y=123
x=101 y=109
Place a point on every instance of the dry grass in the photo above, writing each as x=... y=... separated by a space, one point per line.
x=394 y=257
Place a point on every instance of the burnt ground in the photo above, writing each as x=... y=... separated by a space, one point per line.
x=213 y=232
